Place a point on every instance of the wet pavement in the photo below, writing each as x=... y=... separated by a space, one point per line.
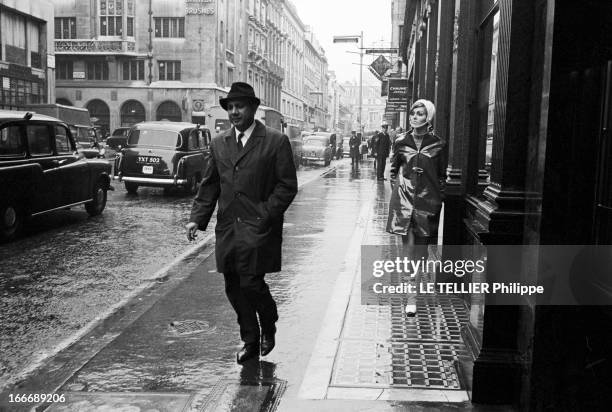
x=173 y=346
x=69 y=270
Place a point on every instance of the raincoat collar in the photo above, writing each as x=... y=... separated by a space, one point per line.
x=428 y=139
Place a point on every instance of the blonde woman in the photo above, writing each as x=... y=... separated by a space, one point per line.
x=418 y=173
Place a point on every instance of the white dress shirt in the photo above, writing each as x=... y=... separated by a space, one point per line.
x=247 y=133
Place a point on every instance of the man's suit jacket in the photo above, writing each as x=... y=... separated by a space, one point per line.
x=253 y=189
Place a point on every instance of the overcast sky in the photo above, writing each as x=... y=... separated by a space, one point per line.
x=330 y=18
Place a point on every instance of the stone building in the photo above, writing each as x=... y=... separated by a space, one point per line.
x=26 y=53
x=373 y=105
x=258 y=56
x=273 y=56
x=315 y=83
x=128 y=61
x=292 y=56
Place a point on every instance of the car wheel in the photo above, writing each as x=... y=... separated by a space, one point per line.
x=131 y=187
x=11 y=220
x=98 y=203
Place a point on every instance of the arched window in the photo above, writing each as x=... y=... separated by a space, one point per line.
x=132 y=112
x=169 y=111
x=100 y=115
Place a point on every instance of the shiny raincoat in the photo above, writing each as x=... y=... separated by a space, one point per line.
x=416 y=197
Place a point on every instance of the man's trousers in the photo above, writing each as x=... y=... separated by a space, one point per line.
x=250 y=297
x=381 y=163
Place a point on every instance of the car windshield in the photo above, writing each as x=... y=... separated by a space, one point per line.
x=314 y=142
x=159 y=138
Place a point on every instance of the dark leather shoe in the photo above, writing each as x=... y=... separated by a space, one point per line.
x=248 y=351
x=267 y=343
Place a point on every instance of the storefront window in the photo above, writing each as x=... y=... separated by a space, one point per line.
x=492 y=82
x=488 y=42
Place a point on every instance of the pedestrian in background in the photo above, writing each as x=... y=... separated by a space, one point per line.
x=418 y=173
x=251 y=175
x=383 y=147
x=354 y=145
x=372 y=144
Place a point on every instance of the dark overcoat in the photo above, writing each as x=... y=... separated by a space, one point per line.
x=354 y=143
x=253 y=189
x=383 y=145
x=417 y=194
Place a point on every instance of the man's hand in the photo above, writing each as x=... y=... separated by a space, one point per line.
x=192 y=231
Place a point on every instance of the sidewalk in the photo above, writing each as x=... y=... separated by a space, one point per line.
x=172 y=348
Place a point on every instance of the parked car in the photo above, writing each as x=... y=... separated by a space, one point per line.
x=293 y=133
x=317 y=148
x=163 y=154
x=340 y=149
x=41 y=171
x=87 y=141
x=118 y=139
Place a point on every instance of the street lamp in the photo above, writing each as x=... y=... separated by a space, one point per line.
x=356 y=39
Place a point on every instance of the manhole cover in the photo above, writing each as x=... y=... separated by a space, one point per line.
x=228 y=395
x=190 y=327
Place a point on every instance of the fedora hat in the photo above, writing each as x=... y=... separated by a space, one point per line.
x=239 y=91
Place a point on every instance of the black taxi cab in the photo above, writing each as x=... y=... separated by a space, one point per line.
x=163 y=154
x=41 y=171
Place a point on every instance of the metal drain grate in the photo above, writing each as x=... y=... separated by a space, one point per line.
x=191 y=327
x=426 y=364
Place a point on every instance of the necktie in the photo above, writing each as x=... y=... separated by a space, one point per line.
x=240 y=146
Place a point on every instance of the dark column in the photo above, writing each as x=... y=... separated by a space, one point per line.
x=431 y=70
x=499 y=219
x=461 y=89
x=442 y=99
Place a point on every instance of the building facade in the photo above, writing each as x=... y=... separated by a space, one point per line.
x=276 y=73
x=258 y=55
x=26 y=53
x=523 y=95
x=373 y=105
x=128 y=61
x=398 y=70
x=315 y=93
x=292 y=52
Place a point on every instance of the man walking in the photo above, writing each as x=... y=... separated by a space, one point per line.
x=383 y=146
x=354 y=143
x=251 y=174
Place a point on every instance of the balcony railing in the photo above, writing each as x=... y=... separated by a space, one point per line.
x=94 y=46
x=255 y=50
x=276 y=70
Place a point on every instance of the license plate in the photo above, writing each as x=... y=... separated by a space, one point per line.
x=148 y=170
x=149 y=159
